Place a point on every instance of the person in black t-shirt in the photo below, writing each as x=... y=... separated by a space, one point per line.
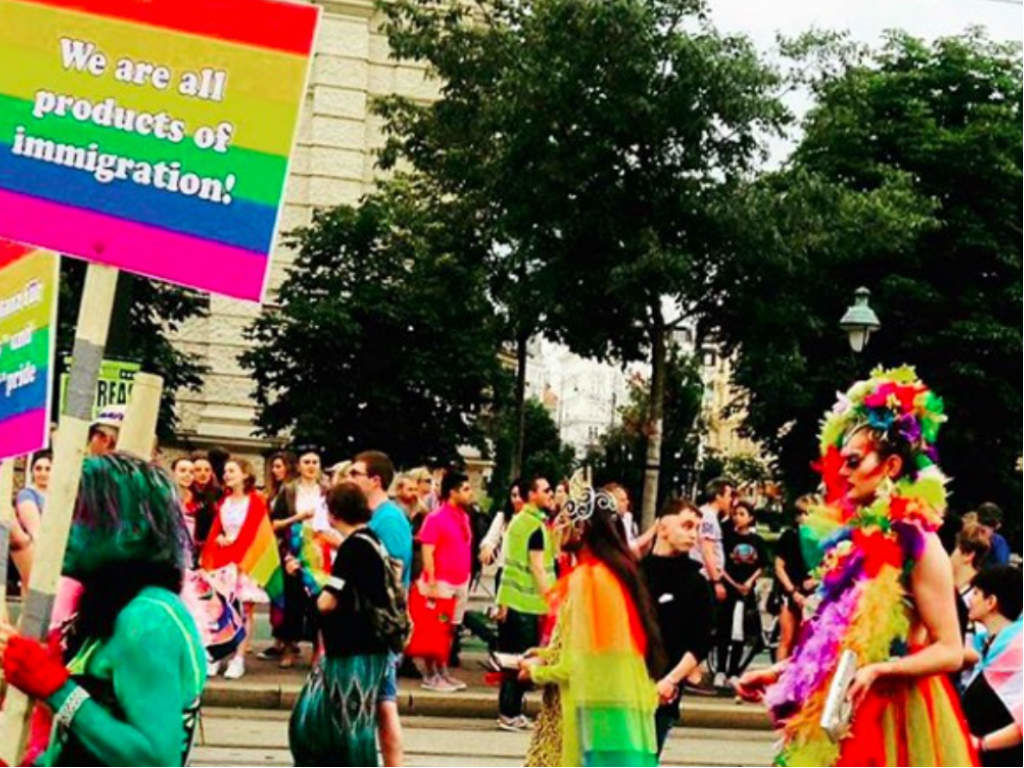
x=355 y=657
x=683 y=600
x=745 y=560
x=792 y=579
x=991 y=701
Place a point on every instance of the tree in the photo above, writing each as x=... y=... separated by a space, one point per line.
x=622 y=449
x=146 y=312
x=907 y=180
x=384 y=337
x=544 y=453
x=608 y=170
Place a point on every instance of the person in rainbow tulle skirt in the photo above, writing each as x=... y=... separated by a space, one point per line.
x=607 y=644
x=886 y=592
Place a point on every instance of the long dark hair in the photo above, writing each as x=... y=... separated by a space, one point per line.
x=602 y=536
x=109 y=589
x=290 y=470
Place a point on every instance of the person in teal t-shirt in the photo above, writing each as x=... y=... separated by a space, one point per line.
x=373 y=472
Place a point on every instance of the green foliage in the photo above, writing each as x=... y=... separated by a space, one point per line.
x=746 y=468
x=599 y=144
x=544 y=453
x=907 y=181
x=148 y=312
x=620 y=455
x=384 y=337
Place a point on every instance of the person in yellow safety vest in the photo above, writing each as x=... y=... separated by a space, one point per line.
x=526 y=580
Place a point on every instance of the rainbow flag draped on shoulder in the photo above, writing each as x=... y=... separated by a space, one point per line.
x=1001 y=665
x=254 y=550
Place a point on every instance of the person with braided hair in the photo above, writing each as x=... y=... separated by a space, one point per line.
x=127 y=689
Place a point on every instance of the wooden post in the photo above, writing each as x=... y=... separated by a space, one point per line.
x=6 y=516
x=69 y=450
x=138 y=431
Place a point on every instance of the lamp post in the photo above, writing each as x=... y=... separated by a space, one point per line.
x=859 y=320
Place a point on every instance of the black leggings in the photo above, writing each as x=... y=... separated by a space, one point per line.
x=517 y=633
x=731 y=660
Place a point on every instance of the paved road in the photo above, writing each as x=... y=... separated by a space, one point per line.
x=260 y=737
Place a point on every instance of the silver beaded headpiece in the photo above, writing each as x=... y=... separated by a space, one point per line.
x=584 y=500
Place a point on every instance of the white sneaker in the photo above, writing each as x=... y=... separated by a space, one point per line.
x=524 y=722
x=511 y=724
x=236 y=668
x=457 y=684
x=212 y=668
x=439 y=684
x=720 y=680
x=429 y=682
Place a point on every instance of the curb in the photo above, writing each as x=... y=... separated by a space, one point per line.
x=472 y=704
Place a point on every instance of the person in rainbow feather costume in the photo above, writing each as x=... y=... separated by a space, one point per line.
x=886 y=591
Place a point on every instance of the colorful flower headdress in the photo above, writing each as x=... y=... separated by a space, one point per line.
x=896 y=403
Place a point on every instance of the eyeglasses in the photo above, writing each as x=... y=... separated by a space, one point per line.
x=357 y=473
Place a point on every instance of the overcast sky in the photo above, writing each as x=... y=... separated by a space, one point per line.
x=865 y=20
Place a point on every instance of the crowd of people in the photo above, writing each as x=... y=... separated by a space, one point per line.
x=613 y=623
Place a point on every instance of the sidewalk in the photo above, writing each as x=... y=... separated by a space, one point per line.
x=267 y=687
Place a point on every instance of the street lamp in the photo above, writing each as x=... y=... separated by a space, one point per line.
x=859 y=320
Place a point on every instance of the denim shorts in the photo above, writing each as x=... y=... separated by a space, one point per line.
x=389 y=685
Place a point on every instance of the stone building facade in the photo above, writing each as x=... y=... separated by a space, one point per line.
x=333 y=162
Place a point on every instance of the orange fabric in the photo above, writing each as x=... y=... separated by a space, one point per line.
x=885 y=721
x=604 y=614
x=215 y=556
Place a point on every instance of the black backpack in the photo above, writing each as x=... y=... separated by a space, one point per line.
x=390 y=621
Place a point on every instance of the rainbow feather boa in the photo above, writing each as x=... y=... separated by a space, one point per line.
x=862 y=556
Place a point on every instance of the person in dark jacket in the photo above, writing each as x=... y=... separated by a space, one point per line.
x=683 y=600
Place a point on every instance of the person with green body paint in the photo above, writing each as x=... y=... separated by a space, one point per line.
x=127 y=688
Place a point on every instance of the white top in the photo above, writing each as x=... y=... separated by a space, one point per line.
x=232 y=515
x=496 y=535
x=710 y=530
x=312 y=497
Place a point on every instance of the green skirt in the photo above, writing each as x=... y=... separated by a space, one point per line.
x=334 y=721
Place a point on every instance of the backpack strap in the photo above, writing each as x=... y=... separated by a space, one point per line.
x=377 y=546
x=392 y=564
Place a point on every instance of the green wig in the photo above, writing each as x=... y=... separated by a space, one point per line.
x=127 y=509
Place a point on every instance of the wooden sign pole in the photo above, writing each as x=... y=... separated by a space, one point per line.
x=138 y=431
x=69 y=450
x=6 y=516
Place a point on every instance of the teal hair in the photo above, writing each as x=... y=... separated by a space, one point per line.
x=127 y=509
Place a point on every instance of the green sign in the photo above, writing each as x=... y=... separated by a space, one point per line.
x=113 y=385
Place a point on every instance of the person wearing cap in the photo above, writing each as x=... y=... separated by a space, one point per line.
x=104 y=430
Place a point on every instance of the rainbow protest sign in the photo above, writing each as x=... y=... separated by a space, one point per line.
x=152 y=135
x=28 y=325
